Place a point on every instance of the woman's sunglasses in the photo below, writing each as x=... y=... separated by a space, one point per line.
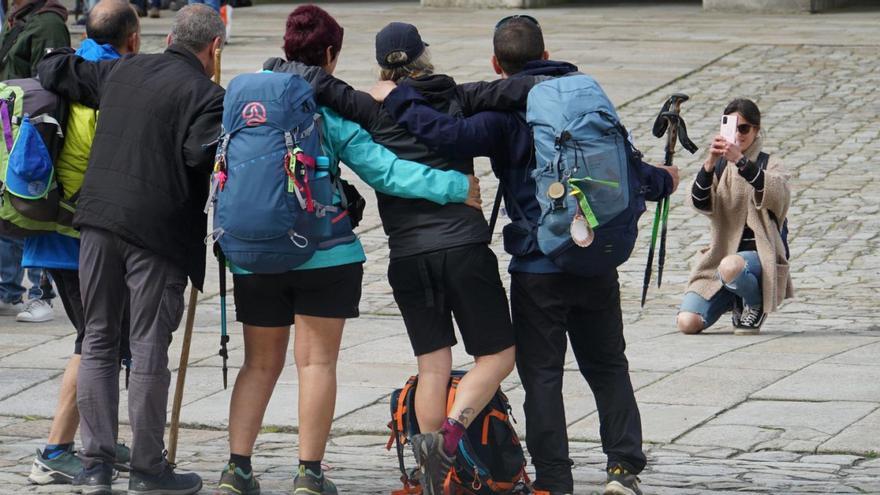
x=744 y=128
x=517 y=16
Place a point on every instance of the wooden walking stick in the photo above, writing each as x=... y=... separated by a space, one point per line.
x=187 y=337
x=181 y=374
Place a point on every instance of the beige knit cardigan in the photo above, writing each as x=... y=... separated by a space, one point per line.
x=734 y=204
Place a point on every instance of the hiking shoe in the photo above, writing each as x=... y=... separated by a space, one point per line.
x=165 y=483
x=538 y=491
x=233 y=481
x=95 y=481
x=58 y=471
x=35 y=311
x=11 y=309
x=306 y=483
x=123 y=458
x=751 y=320
x=621 y=482
x=433 y=462
x=154 y=13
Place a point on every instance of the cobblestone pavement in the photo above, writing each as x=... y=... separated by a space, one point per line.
x=793 y=410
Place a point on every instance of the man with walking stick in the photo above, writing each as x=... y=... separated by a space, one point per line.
x=140 y=213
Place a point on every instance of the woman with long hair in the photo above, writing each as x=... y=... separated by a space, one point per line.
x=745 y=193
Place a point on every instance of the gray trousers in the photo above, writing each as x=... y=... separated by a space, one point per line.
x=109 y=266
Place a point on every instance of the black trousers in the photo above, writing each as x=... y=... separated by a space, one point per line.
x=546 y=308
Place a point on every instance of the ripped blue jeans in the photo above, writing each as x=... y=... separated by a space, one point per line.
x=747 y=285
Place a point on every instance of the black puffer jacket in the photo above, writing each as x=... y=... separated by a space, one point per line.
x=147 y=179
x=413 y=226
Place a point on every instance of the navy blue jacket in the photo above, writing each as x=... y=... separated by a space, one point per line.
x=506 y=139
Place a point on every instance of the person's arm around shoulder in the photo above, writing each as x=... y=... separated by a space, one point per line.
x=204 y=129
x=454 y=136
x=388 y=174
x=354 y=105
x=75 y=78
x=509 y=94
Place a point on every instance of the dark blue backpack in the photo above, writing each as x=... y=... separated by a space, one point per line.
x=274 y=202
x=586 y=167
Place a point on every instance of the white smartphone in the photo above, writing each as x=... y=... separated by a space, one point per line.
x=728 y=127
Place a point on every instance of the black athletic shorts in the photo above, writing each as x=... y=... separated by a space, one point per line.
x=272 y=300
x=430 y=288
x=67 y=282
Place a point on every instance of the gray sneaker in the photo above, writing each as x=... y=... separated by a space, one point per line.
x=233 y=481
x=58 y=471
x=165 y=483
x=621 y=482
x=306 y=483
x=433 y=462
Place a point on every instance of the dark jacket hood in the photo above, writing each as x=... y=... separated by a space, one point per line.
x=551 y=68
x=35 y=7
x=438 y=89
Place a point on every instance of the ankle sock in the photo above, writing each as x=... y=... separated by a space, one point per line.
x=54 y=450
x=313 y=466
x=242 y=462
x=452 y=432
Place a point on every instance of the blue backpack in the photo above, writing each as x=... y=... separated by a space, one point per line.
x=273 y=189
x=586 y=167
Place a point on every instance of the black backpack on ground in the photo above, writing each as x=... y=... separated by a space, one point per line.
x=490 y=458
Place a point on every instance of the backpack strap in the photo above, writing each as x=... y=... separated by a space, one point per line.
x=42 y=119
x=7 y=124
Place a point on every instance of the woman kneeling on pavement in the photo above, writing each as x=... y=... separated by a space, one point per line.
x=318 y=296
x=746 y=195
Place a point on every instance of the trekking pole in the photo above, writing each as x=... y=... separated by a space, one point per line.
x=181 y=373
x=670 y=123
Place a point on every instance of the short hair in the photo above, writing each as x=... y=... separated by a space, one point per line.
x=518 y=42
x=111 y=22
x=196 y=26
x=747 y=108
x=310 y=31
x=421 y=66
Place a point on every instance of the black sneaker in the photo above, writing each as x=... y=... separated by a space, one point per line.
x=97 y=480
x=166 y=483
x=621 y=482
x=433 y=462
x=234 y=481
x=751 y=320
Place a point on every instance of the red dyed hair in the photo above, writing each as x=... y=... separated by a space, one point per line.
x=310 y=30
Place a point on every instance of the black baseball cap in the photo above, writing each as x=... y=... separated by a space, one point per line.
x=398 y=37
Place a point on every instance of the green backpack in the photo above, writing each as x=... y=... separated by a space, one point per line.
x=32 y=121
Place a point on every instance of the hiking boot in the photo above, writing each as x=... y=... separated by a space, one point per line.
x=751 y=320
x=154 y=13
x=233 y=481
x=433 y=462
x=165 y=483
x=35 y=311
x=621 y=482
x=306 y=483
x=123 y=458
x=58 y=471
x=11 y=308
x=95 y=481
